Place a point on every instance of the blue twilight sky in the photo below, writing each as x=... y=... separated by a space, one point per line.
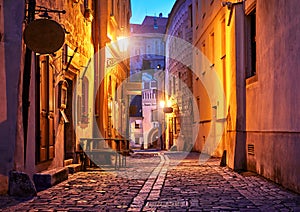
x=141 y=8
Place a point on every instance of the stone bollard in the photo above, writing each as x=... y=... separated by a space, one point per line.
x=20 y=185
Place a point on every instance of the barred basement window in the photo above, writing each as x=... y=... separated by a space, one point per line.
x=250 y=149
x=84 y=100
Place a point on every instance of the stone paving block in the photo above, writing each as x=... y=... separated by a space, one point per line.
x=187 y=186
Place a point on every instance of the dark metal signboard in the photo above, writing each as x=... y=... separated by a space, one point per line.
x=44 y=36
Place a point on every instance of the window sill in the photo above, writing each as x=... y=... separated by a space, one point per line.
x=251 y=80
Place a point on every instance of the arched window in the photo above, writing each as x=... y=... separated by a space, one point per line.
x=84 y=100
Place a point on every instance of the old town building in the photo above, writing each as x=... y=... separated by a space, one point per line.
x=216 y=77
x=178 y=79
x=251 y=46
x=147 y=56
x=48 y=97
x=113 y=64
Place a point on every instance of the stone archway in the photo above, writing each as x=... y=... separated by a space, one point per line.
x=153 y=138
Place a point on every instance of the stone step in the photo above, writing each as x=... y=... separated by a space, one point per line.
x=68 y=162
x=46 y=179
x=73 y=168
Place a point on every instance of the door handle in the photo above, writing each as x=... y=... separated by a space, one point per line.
x=44 y=113
x=50 y=115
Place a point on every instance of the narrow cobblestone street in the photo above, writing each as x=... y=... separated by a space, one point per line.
x=158 y=182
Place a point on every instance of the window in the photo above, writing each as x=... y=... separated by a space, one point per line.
x=153 y=84
x=224 y=74
x=146 y=85
x=116 y=92
x=190 y=16
x=174 y=86
x=118 y=12
x=175 y=125
x=197 y=12
x=156 y=48
x=109 y=86
x=251 y=43
x=198 y=107
x=84 y=100
x=223 y=38
x=123 y=18
x=137 y=125
x=155 y=23
x=179 y=81
x=112 y=8
x=212 y=48
x=223 y=52
x=203 y=49
x=137 y=140
x=154 y=93
x=203 y=55
x=203 y=8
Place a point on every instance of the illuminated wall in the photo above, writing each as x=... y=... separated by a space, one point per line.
x=10 y=70
x=272 y=99
x=178 y=83
x=113 y=68
x=252 y=47
x=213 y=37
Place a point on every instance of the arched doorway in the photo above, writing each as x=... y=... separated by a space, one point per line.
x=153 y=139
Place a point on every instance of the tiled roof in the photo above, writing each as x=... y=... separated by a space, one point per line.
x=151 y=24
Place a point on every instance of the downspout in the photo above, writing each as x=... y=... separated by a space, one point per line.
x=240 y=142
x=26 y=80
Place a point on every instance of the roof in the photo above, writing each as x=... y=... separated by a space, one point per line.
x=151 y=24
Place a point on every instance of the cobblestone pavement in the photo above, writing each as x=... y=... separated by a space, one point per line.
x=161 y=182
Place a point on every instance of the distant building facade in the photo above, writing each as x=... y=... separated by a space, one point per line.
x=178 y=76
x=147 y=48
x=136 y=121
x=147 y=56
x=114 y=69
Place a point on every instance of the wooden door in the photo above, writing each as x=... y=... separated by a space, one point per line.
x=46 y=95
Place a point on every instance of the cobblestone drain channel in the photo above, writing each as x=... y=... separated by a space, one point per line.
x=150 y=191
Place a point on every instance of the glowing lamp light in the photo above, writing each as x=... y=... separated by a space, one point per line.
x=162 y=104
x=169 y=103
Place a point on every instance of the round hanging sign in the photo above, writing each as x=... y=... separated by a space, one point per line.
x=44 y=36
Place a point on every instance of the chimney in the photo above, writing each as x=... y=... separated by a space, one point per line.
x=160 y=15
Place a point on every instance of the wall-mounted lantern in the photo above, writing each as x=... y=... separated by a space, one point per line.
x=167 y=109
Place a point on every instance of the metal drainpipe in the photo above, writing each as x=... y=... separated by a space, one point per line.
x=26 y=79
